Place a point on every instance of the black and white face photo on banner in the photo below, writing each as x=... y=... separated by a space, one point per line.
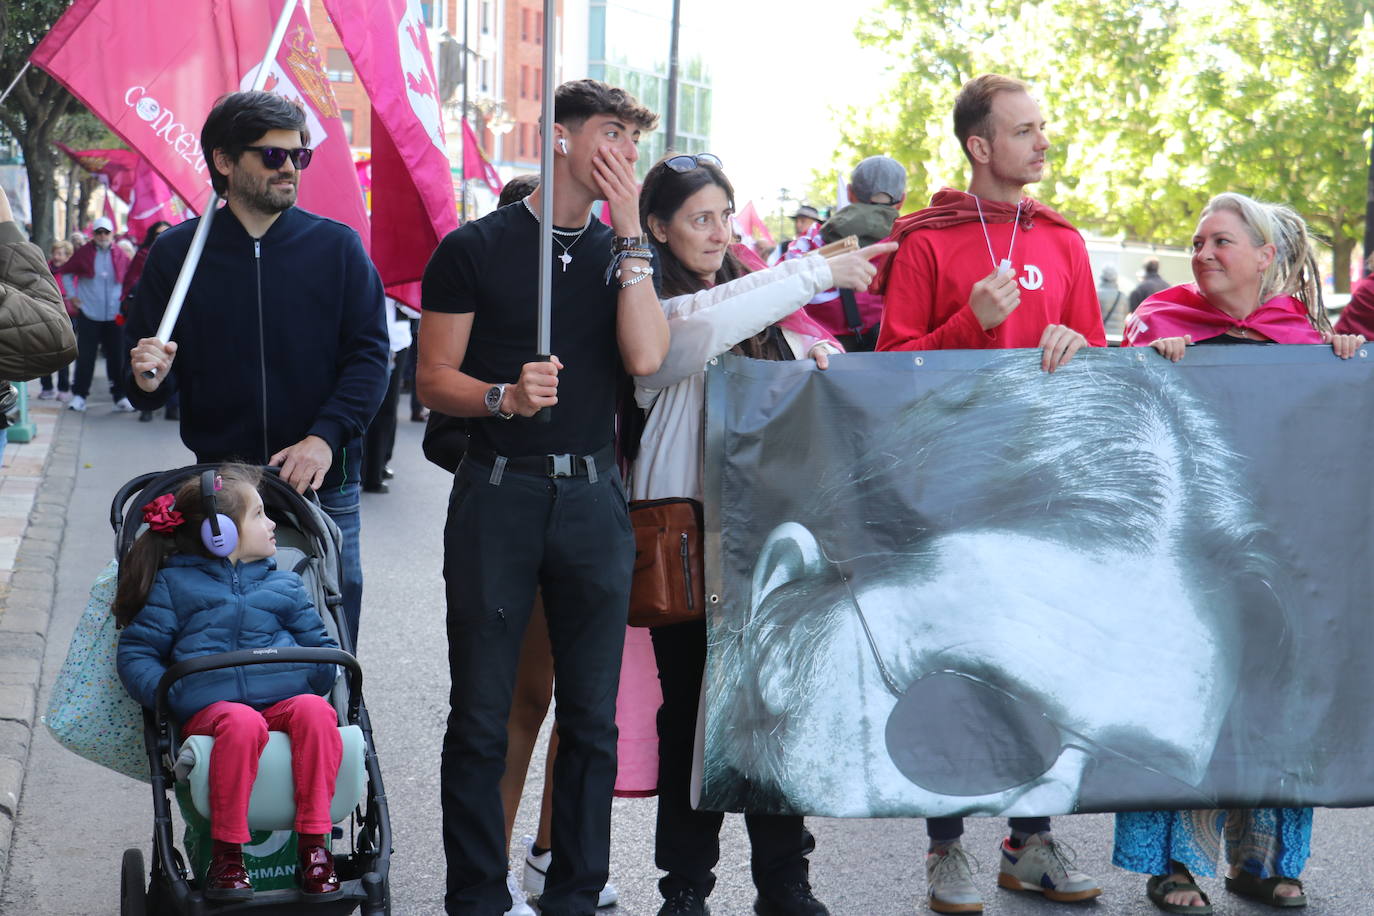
x=953 y=584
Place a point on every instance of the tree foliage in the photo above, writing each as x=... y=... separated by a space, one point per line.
x=1153 y=105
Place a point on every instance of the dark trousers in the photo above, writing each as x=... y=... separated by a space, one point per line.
x=943 y=829
x=571 y=538
x=687 y=841
x=381 y=432
x=93 y=335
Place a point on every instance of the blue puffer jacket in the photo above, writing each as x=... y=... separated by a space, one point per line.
x=200 y=606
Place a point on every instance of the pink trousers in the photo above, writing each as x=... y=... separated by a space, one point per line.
x=240 y=734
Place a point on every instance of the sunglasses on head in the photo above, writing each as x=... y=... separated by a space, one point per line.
x=685 y=162
x=274 y=157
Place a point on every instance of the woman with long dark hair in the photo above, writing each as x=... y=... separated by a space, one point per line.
x=714 y=306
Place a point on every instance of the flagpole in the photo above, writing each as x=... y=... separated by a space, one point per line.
x=463 y=163
x=14 y=82
x=207 y=216
x=543 y=344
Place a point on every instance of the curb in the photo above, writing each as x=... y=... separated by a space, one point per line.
x=24 y=623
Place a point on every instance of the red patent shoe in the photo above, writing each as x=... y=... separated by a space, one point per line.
x=318 y=878
x=227 y=879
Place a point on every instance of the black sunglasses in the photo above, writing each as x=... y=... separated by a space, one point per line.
x=956 y=734
x=685 y=162
x=274 y=157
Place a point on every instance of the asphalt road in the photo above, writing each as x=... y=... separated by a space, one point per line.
x=75 y=819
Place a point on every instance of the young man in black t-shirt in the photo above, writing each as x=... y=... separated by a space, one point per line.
x=540 y=505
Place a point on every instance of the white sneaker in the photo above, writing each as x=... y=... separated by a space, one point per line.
x=64 y=396
x=517 y=898
x=123 y=406
x=78 y=403
x=47 y=394
x=537 y=867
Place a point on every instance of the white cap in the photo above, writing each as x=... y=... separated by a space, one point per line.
x=102 y=222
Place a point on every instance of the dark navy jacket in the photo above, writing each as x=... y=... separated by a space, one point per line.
x=280 y=338
x=201 y=606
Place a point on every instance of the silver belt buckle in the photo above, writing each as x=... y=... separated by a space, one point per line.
x=560 y=465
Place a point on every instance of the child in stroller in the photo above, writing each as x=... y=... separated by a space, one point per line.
x=201 y=581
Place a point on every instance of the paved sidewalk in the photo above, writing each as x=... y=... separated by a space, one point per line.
x=36 y=481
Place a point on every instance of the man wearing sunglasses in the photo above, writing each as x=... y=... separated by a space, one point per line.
x=991 y=269
x=280 y=353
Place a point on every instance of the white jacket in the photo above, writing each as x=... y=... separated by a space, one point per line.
x=705 y=325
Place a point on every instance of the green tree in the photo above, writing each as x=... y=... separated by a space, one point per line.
x=1153 y=105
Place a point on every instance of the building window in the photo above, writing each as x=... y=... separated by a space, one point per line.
x=337 y=66
x=484 y=75
x=524 y=81
x=538 y=83
x=539 y=28
x=520 y=147
x=485 y=14
x=346 y=116
x=525 y=24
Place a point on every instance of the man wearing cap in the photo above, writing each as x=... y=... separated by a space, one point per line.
x=99 y=268
x=804 y=220
x=876 y=189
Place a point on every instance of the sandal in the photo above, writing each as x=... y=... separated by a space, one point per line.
x=1264 y=890
x=1160 y=886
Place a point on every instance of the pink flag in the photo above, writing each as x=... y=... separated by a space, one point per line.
x=752 y=225
x=152 y=200
x=475 y=164
x=115 y=166
x=152 y=69
x=412 y=191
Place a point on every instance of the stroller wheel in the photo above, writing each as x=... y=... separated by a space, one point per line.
x=133 y=896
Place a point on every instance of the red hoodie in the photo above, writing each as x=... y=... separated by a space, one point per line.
x=943 y=253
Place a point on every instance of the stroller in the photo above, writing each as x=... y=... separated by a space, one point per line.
x=307 y=542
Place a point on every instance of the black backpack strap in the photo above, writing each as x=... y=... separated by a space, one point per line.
x=851 y=312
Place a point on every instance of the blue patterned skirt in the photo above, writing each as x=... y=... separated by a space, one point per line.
x=1264 y=841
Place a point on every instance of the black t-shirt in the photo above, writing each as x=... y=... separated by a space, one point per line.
x=489 y=267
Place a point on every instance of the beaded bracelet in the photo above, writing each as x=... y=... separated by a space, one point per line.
x=619 y=256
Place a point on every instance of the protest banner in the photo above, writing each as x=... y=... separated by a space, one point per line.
x=948 y=583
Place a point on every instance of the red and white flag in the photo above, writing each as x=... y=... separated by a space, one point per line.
x=152 y=69
x=412 y=191
x=752 y=225
x=475 y=165
x=114 y=166
x=129 y=176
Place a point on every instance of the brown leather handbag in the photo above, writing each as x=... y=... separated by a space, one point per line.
x=670 y=577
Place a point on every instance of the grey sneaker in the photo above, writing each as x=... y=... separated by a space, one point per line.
x=1045 y=865
x=949 y=882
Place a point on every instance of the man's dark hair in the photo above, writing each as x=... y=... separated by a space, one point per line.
x=973 y=105
x=240 y=118
x=518 y=187
x=1152 y=265
x=577 y=100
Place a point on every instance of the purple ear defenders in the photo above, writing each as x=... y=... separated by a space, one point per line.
x=218 y=532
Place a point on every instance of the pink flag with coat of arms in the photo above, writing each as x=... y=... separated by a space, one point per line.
x=129 y=176
x=752 y=225
x=152 y=70
x=412 y=191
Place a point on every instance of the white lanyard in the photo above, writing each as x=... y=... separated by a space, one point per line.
x=1005 y=266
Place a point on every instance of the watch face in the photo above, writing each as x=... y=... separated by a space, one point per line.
x=494 y=398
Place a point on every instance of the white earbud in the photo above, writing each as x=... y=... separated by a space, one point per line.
x=563 y=145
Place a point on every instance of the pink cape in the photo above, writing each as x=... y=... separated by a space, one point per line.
x=1183 y=310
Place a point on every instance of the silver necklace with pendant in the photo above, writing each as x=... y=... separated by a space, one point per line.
x=565 y=257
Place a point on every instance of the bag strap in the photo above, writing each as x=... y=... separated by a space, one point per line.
x=851 y=312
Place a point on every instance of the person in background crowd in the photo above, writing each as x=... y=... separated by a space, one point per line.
x=803 y=221
x=989 y=269
x=1256 y=282
x=877 y=187
x=77 y=239
x=539 y=506
x=381 y=432
x=1112 y=301
x=99 y=267
x=1149 y=284
x=130 y=288
x=296 y=301
x=1358 y=316
x=66 y=285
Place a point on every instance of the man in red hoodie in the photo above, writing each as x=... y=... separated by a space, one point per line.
x=993 y=269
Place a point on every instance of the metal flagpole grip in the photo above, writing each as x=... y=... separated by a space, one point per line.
x=543 y=342
x=188 y=267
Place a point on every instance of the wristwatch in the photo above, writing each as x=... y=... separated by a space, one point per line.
x=623 y=242
x=493 y=400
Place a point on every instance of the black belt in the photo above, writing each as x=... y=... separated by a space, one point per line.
x=549 y=465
